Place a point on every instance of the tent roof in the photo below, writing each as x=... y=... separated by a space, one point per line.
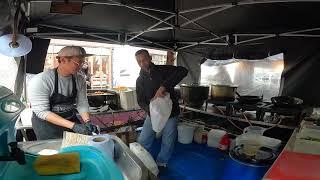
x=218 y=29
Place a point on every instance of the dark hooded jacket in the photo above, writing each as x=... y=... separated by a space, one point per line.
x=147 y=85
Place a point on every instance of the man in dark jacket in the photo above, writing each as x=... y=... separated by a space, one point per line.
x=154 y=82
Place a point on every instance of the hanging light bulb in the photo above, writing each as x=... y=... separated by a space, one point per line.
x=15 y=45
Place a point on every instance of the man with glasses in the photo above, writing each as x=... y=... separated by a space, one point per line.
x=55 y=94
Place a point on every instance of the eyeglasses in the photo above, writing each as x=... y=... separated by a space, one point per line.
x=77 y=63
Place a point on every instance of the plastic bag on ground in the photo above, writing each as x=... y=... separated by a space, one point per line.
x=160 y=110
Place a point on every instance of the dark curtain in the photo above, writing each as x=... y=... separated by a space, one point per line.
x=193 y=63
x=36 y=58
x=300 y=77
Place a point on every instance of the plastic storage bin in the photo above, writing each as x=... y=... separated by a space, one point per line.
x=93 y=165
x=185 y=133
x=262 y=141
x=128 y=100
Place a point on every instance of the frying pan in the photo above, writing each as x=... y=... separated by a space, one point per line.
x=249 y=99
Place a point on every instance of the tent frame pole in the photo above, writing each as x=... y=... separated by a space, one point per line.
x=300 y=35
x=147 y=14
x=163 y=46
x=61 y=28
x=300 y=31
x=202 y=42
x=76 y=33
x=150 y=27
x=204 y=8
x=109 y=4
x=206 y=15
x=246 y=2
x=286 y=34
x=200 y=26
x=255 y=39
x=250 y=2
x=151 y=30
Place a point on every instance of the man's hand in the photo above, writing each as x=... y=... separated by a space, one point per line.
x=161 y=92
x=81 y=129
x=93 y=128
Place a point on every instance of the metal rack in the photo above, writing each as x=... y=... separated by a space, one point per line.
x=209 y=111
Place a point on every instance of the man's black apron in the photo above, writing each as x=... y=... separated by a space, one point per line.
x=62 y=105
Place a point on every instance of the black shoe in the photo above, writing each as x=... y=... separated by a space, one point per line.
x=162 y=170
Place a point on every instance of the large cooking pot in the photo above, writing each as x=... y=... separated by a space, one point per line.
x=194 y=95
x=223 y=92
x=96 y=100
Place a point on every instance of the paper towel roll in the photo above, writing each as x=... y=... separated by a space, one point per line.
x=104 y=143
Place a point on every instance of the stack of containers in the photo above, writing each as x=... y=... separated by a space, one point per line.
x=200 y=135
x=218 y=139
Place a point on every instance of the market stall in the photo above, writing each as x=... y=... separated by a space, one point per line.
x=200 y=31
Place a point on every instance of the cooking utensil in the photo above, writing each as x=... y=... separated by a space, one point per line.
x=194 y=95
x=286 y=101
x=223 y=92
x=96 y=100
x=249 y=99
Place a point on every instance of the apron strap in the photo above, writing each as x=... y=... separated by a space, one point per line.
x=74 y=88
x=56 y=81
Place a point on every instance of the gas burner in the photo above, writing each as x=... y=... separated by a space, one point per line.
x=245 y=107
x=218 y=102
x=263 y=157
x=296 y=112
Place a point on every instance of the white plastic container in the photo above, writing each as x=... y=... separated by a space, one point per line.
x=262 y=141
x=200 y=135
x=26 y=116
x=185 y=133
x=145 y=157
x=214 y=137
x=128 y=100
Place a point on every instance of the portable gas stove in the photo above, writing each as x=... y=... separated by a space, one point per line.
x=236 y=105
x=218 y=102
x=296 y=113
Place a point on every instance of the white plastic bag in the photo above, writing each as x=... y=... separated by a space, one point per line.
x=160 y=110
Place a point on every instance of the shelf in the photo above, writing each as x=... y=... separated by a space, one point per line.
x=209 y=111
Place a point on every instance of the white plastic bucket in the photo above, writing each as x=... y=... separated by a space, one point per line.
x=185 y=133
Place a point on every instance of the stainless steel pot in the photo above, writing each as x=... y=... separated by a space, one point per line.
x=223 y=91
x=194 y=95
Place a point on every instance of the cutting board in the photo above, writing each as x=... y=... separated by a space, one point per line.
x=295 y=166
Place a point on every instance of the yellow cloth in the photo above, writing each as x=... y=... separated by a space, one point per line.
x=66 y=163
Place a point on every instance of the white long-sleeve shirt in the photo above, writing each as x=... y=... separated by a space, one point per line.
x=41 y=87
